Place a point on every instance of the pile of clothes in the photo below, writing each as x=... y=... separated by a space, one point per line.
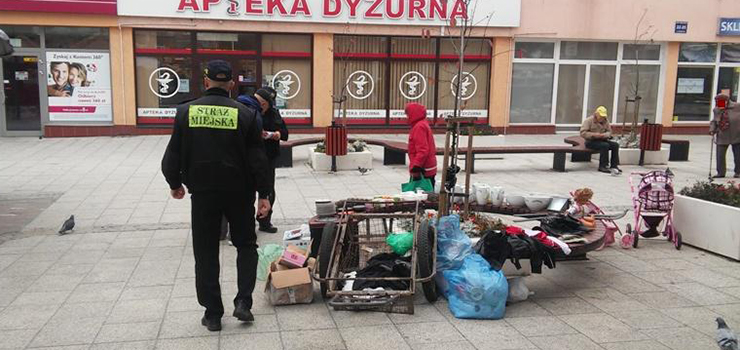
x=381 y=266
x=515 y=243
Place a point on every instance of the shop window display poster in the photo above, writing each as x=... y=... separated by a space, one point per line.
x=79 y=86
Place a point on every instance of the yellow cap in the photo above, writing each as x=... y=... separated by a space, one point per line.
x=601 y=111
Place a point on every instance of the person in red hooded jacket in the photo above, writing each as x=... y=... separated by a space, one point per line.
x=422 y=149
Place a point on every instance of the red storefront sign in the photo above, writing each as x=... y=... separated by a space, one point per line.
x=101 y=7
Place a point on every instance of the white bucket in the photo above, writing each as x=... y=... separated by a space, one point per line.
x=497 y=196
x=482 y=193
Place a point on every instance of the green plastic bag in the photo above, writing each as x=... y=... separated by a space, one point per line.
x=423 y=184
x=267 y=254
x=400 y=243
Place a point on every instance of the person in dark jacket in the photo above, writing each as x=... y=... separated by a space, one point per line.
x=422 y=149
x=216 y=151
x=726 y=127
x=274 y=131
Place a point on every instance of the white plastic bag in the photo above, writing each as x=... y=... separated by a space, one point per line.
x=518 y=291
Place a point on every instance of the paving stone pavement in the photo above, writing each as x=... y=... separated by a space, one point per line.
x=124 y=278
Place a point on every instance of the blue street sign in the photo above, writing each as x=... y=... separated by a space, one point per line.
x=681 y=27
x=729 y=27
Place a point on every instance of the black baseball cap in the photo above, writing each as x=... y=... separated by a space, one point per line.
x=268 y=94
x=218 y=70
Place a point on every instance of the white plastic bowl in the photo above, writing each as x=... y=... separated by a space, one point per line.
x=514 y=200
x=537 y=203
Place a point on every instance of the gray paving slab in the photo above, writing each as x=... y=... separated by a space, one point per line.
x=266 y=341
x=373 y=337
x=131 y=311
x=130 y=263
x=68 y=332
x=128 y=332
x=198 y=343
x=565 y=342
x=327 y=339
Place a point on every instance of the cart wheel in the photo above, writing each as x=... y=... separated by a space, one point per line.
x=636 y=236
x=325 y=250
x=679 y=240
x=424 y=257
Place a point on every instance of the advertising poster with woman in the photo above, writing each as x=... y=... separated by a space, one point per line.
x=79 y=86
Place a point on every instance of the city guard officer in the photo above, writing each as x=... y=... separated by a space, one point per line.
x=216 y=151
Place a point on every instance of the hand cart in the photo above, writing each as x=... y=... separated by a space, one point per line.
x=360 y=234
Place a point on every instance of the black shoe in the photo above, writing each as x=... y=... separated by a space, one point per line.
x=605 y=170
x=617 y=169
x=268 y=229
x=242 y=312
x=213 y=325
x=718 y=176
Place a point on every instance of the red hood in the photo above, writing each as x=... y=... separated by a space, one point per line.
x=415 y=113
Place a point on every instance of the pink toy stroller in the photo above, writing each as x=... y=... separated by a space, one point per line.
x=652 y=201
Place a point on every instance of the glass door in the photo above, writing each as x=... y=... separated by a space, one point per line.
x=244 y=71
x=20 y=103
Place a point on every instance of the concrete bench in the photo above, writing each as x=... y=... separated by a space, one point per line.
x=558 y=162
x=394 y=152
x=679 y=149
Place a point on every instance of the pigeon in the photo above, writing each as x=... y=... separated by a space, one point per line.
x=68 y=225
x=726 y=338
x=362 y=170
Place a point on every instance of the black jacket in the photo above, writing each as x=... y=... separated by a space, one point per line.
x=216 y=145
x=273 y=121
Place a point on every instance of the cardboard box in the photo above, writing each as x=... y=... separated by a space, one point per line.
x=288 y=287
x=300 y=237
x=293 y=257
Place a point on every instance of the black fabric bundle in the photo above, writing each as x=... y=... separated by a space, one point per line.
x=384 y=265
x=559 y=225
x=496 y=247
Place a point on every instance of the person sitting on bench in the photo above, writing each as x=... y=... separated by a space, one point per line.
x=597 y=132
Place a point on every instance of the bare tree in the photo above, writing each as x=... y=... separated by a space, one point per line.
x=634 y=96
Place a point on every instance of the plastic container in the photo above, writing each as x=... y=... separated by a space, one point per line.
x=497 y=196
x=515 y=200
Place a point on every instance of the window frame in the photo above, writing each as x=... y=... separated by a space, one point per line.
x=200 y=56
x=557 y=61
x=388 y=57
x=716 y=65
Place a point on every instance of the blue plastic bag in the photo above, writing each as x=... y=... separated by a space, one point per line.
x=453 y=245
x=475 y=291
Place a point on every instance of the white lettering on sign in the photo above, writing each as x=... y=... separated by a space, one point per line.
x=467 y=113
x=362 y=114
x=295 y=113
x=483 y=13
x=157 y=112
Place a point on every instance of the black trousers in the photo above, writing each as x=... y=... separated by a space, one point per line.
x=604 y=146
x=722 y=154
x=267 y=220
x=207 y=210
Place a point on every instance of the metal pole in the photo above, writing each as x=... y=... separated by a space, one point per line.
x=468 y=168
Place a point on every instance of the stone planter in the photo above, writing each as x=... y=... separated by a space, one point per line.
x=322 y=162
x=631 y=156
x=709 y=226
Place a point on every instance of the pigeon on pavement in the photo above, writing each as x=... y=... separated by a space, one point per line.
x=68 y=225
x=362 y=170
x=726 y=338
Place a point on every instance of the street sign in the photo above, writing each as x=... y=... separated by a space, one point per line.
x=681 y=27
